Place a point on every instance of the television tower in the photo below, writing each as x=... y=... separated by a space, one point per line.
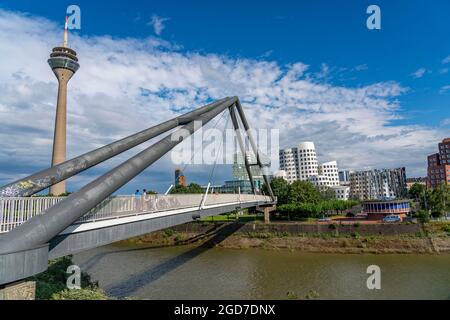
x=64 y=63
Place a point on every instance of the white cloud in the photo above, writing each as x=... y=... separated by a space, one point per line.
x=127 y=85
x=446 y=60
x=361 y=67
x=158 y=24
x=419 y=73
x=444 y=89
x=445 y=122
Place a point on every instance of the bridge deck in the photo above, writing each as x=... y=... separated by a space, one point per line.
x=16 y=211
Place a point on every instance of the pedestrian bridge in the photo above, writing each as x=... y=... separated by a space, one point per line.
x=35 y=229
x=122 y=217
x=16 y=211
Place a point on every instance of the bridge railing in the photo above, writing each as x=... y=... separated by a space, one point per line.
x=15 y=211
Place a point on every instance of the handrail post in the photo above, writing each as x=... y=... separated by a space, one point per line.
x=204 y=196
x=168 y=190
x=239 y=192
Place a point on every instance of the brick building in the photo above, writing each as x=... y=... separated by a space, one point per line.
x=439 y=165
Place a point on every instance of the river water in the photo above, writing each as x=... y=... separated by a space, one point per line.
x=139 y=272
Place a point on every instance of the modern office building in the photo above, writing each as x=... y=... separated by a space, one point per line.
x=344 y=177
x=330 y=170
x=324 y=182
x=280 y=174
x=307 y=160
x=378 y=184
x=299 y=163
x=319 y=181
x=180 y=179
x=64 y=63
x=231 y=186
x=289 y=164
x=240 y=172
x=342 y=192
x=439 y=165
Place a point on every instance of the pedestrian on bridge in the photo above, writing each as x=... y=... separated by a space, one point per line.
x=137 y=200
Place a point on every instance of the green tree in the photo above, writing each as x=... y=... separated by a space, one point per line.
x=194 y=188
x=328 y=194
x=191 y=188
x=179 y=189
x=280 y=189
x=303 y=192
x=417 y=191
x=439 y=200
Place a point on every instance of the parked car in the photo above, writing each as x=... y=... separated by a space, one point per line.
x=392 y=218
x=324 y=219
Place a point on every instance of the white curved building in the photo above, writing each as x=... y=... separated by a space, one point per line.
x=289 y=163
x=307 y=160
x=330 y=170
x=280 y=174
x=299 y=163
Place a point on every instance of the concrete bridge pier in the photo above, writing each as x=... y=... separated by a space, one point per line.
x=21 y=290
x=266 y=210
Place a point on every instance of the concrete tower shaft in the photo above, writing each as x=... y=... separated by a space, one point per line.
x=64 y=63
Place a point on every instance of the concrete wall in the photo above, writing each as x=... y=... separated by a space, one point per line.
x=297 y=228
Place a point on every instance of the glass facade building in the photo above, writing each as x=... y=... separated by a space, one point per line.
x=380 y=209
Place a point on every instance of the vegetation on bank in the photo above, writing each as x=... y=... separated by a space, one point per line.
x=301 y=199
x=430 y=201
x=315 y=210
x=51 y=284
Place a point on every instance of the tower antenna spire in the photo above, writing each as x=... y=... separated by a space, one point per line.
x=66 y=34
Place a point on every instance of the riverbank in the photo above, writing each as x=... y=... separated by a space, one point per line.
x=433 y=237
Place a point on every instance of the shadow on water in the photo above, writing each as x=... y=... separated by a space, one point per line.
x=130 y=285
x=94 y=260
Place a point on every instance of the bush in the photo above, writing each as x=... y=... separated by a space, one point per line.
x=169 y=232
x=355 y=235
x=422 y=215
x=51 y=284
x=291 y=295
x=90 y=293
x=312 y=295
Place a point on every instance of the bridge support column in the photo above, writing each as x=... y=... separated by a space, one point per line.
x=22 y=290
x=266 y=215
x=266 y=210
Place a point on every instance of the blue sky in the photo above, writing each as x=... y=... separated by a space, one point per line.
x=408 y=56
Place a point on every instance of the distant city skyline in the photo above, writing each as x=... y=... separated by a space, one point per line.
x=367 y=98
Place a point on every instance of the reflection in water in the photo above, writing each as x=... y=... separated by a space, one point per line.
x=203 y=272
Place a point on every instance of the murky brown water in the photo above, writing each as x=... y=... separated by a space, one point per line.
x=199 y=273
